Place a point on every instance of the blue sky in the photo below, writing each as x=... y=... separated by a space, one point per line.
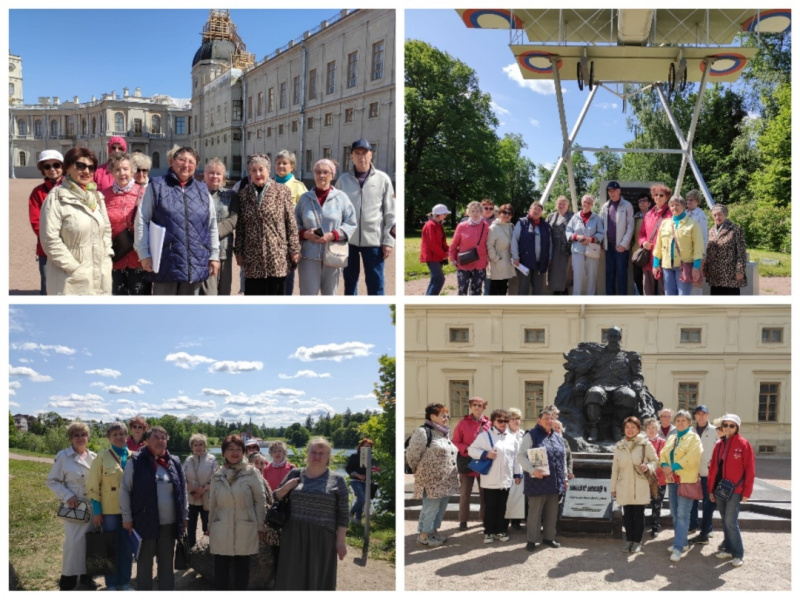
x=277 y=364
x=121 y=52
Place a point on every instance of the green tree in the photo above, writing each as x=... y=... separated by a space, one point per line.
x=773 y=181
x=297 y=435
x=381 y=430
x=516 y=175
x=582 y=170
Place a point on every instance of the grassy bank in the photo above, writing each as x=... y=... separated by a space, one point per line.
x=782 y=269
x=382 y=537
x=414 y=268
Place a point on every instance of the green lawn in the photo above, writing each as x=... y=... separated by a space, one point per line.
x=782 y=269
x=414 y=268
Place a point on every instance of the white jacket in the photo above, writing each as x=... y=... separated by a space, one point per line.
x=708 y=440
x=236 y=513
x=505 y=466
x=624 y=224
x=374 y=206
x=498 y=246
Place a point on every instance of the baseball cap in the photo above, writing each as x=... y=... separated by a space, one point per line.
x=613 y=185
x=700 y=408
x=360 y=143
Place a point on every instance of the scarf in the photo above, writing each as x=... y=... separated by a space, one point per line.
x=127 y=188
x=280 y=465
x=440 y=428
x=87 y=195
x=478 y=222
x=122 y=453
x=232 y=472
x=161 y=460
x=283 y=179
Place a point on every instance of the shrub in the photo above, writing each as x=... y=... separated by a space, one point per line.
x=764 y=225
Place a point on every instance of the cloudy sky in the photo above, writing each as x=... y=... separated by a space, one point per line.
x=276 y=364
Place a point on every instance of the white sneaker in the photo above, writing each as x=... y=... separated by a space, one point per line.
x=503 y=537
x=438 y=536
x=737 y=562
x=488 y=538
x=723 y=555
x=676 y=556
x=430 y=541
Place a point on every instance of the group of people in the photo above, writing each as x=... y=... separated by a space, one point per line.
x=110 y=229
x=138 y=490
x=715 y=461
x=667 y=241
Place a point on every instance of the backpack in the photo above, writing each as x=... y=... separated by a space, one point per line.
x=407 y=468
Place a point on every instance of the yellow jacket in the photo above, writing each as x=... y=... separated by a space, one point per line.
x=688 y=452
x=689 y=240
x=105 y=481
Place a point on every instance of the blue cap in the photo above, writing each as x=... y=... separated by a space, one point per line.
x=700 y=408
x=613 y=185
x=361 y=143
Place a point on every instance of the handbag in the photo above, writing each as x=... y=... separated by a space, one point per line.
x=79 y=514
x=693 y=491
x=335 y=254
x=652 y=479
x=101 y=552
x=462 y=464
x=182 y=554
x=122 y=244
x=482 y=465
x=278 y=513
x=725 y=488
x=471 y=255
x=686 y=267
x=593 y=250
x=642 y=256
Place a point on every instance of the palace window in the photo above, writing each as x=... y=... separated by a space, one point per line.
x=352 y=69
x=768 y=396
x=330 y=78
x=348 y=115
x=283 y=95
x=534 y=336
x=459 y=335
x=260 y=104
x=459 y=397
x=691 y=335
x=688 y=393
x=296 y=95
x=312 y=84
x=534 y=399
x=373 y=110
x=271 y=100
x=772 y=335
x=378 y=52
x=328 y=119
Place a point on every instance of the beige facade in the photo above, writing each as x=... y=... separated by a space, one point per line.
x=734 y=359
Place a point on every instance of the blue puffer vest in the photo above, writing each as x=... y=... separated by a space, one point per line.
x=144 y=496
x=527 y=244
x=183 y=211
x=553 y=483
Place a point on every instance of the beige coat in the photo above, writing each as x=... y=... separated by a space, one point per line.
x=236 y=513
x=77 y=242
x=627 y=481
x=198 y=472
x=499 y=247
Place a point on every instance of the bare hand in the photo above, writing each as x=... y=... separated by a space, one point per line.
x=213 y=268
x=655 y=271
x=491 y=455
x=72 y=502
x=744 y=498
x=97 y=520
x=647 y=246
x=538 y=474
x=739 y=276
x=695 y=275
x=295 y=258
x=712 y=499
x=516 y=262
x=239 y=261
x=128 y=526
x=643 y=468
x=517 y=480
x=614 y=495
x=621 y=248
x=313 y=237
x=387 y=251
x=341 y=549
x=147 y=264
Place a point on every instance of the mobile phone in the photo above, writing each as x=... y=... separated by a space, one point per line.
x=318 y=232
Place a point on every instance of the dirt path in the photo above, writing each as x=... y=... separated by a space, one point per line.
x=23 y=278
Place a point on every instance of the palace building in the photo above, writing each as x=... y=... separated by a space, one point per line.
x=734 y=359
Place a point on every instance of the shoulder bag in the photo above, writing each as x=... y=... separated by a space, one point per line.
x=642 y=256
x=79 y=514
x=686 y=267
x=592 y=248
x=652 y=478
x=724 y=489
x=278 y=513
x=482 y=466
x=335 y=254
x=471 y=255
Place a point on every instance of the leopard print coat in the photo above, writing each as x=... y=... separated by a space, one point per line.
x=266 y=234
x=435 y=466
x=726 y=256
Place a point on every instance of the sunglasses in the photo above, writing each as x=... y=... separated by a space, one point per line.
x=117 y=149
x=142 y=170
x=728 y=426
x=501 y=421
x=660 y=195
x=83 y=167
x=485 y=208
x=51 y=166
x=505 y=212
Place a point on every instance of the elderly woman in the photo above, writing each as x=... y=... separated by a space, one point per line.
x=585 y=232
x=633 y=457
x=324 y=216
x=678 y=252
x=725 y=267
x=279 y=468
x=468 y=251
x=532 y=247
x=680 y=461
x=67 y=480
x=651 y=224
x=285 y=164
x=140 y=166
x=51 y=166
x=358 y=476
x=103 y=176
x=266 y=233
x=433 y=248
x=237 y=507
x=731 y=475
x=105 y=479
x=122 y=202
x=558 y=274
x=498 y=245
x=464 y=434
x=315 y=533
x=187 y=218
x=138 y=427
x=651 y=430
x=645 y=203
x=75 y=231
x=499 y=445
x=226 y=204
x=515 y=508
x=198 y=468
x=432 y=457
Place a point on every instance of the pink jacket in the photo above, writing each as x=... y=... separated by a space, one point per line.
x=120 y=208
x=466 y=237
x=648 y=228
x=466 y=431
x=275 y=476
x=658 y=446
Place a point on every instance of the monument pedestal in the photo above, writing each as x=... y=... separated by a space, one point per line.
x=590 y=494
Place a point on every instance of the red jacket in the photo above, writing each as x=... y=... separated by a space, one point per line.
x=738 y=459
x=274 y=475
x=120 y=209
x=434 y=243
x=103 y=178
x=658 y=446
x=649 y=223
x=35 y=202
x=467 y=430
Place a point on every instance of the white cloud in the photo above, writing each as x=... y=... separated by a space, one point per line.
x=13 y=404
x=82 y=403
x=128 y=389
x=16 y=319
x=364 y=396
x=128 y=402
x=335 y=352
x=235 y=366
x=45 y=349
x=535 y=122
x=498 y=110
x=284 y=393
x=104 y=373
x=29 y=373
x=144 y=382
x=26 y=361
x=276 y=415
x=213 y=392
x=14 y=385
x=188 y=344
x=607 y=105
x=304 y=373
x=185 y=403
x=97 y=384
x=187 y=361
x=545 y=87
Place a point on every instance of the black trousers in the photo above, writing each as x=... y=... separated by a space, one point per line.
x=498 y=287
x=717 y=290
x=267 y=286
x=494 y=516
x=222 y=567
x=633 y=518
x=655 y=509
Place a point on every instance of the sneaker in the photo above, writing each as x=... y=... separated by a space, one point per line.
x=430 y=541
x=671 y=549
x=699 y=539
x=626 y=547
x=654 y=533
x=737 y=562
x=462 y=526
x=676 y=556
x=636 y=548
x=723 y=555
x=438 y=536
x=530 y=546
x=488 y=538
x=503 y=537
x=693 y=530
x=126 y=588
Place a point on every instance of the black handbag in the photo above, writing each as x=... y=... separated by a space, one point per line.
x=641 y=258
x=471 y=255
x=725 y=489
x=278 y=513
x=182 y=554
x=122 y=244
x=462 y=464
x=101 y=552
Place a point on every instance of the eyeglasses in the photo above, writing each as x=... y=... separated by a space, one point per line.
x=137 y=426
x=83 y=167
x=443 y=416
x=485 y=208
x=505 y=212
x=661 y=195
x=501 y=421
x=51 y=166
x=142 y=170
x=77 y=435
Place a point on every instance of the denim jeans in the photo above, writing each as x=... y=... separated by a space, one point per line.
x=122 y=576
x=617 y=272
x=432 y=512
x=437 y=278
x=42 y=274
x=673 y=286
x=373 y=270
x=358 y=506
x=679 y=507
x=729 y=511
x=707 y=524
